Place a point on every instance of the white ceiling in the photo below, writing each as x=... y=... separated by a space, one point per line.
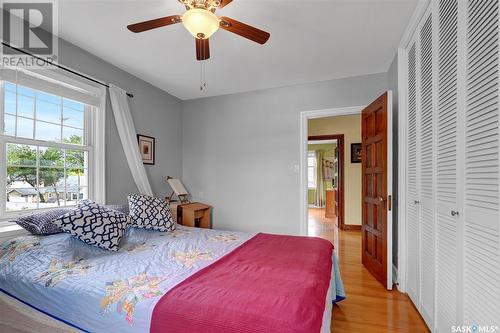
x=311 y=40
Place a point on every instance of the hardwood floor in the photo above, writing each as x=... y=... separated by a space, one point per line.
x=368 y=306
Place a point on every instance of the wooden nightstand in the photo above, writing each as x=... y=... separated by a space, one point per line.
x=194 y=215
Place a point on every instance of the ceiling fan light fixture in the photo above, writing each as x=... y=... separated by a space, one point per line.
x=200 y=23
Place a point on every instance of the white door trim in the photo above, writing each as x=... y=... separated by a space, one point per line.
x=390 y=194
x=412 y=26
x=402 y=167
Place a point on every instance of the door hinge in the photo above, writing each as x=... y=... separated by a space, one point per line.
x=389 y=202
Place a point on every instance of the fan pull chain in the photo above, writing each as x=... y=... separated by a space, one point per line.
x=203 y=80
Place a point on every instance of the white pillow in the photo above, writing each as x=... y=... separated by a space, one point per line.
x=94 y=224
x=146 y=212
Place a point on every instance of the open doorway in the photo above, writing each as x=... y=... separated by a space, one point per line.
x=367 y=187
x=335 y=202
x=325 y=174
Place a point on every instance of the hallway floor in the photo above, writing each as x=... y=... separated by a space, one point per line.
x=368 y=307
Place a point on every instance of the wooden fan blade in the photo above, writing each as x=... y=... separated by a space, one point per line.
x=224 y=3
x=244 y=30
x=202 y=49
x=153 y=24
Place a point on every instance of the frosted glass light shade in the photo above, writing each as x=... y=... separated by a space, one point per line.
x=201 y=23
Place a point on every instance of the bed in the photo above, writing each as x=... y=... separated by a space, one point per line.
x=58 y=283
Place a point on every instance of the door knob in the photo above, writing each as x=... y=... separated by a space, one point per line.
x=454 y=213
x=417 y=202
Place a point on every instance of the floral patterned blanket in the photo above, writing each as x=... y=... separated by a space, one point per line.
x=96 y=290
x=93 y=289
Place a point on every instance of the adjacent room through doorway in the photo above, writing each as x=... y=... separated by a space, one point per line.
x=325 y=178
x=334 y=175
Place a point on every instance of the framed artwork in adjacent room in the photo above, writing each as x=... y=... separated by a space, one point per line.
x=356 y=152
x=146 y=148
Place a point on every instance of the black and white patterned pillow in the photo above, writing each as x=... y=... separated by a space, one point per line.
x=150 y=213
x=41 y=223
x=95 y=225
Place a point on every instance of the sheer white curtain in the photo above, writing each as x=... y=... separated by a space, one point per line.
x=128 y=137
x=320 y=186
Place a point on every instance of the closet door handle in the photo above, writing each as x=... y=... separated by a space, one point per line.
x=417 y=202
x=454 y=213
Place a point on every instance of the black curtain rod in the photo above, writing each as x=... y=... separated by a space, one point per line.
x=61 y=67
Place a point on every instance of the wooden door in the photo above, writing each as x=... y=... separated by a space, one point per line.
x=376 y=227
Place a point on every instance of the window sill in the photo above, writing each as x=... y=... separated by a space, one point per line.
x=13 y=215
x=9 y=230
x=9 y=226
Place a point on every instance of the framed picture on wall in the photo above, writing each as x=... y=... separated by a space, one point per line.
x=146 y=148
x=355 y=152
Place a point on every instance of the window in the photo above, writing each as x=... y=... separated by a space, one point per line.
x=311 y=169
x=48 y=140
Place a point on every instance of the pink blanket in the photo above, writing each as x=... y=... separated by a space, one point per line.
x=269 y=284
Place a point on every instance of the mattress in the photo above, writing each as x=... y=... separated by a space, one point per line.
x=58 y=280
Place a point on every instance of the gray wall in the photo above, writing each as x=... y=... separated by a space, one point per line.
x=239 y=151
x=392 y=83
x=155 y=113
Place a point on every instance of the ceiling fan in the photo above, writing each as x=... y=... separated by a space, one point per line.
x=200 y=20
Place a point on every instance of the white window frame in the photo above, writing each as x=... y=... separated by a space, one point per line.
x=95 y=122
x=315 y=171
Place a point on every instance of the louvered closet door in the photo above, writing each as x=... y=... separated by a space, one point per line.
x=482 y=225
x=447 y=221
x=426 y=179
x=413 y=278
